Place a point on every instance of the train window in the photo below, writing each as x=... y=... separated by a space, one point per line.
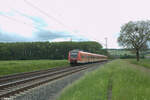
x=74 y=54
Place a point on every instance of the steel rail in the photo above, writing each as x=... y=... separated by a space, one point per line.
x=35 y=78
x=14 y=77
x=58 y=74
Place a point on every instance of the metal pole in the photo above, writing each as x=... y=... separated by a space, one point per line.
x=106 y=42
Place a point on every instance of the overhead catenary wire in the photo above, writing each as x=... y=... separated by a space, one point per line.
x=48 y=15
x=42 y=12
x=45 y=13
x=24 y=23
x=29 y=25
x=14 y=19
x=18 y=21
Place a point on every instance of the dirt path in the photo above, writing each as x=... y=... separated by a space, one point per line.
x=141 y=68
x=109 y=91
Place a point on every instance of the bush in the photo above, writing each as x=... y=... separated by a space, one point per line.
x=125 y=56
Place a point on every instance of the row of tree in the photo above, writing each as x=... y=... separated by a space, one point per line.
x=45 y=50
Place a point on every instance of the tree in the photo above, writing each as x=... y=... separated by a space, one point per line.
x=135 y=35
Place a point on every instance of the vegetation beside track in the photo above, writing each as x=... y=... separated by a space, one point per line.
x=18 y=66
x=128 y=83
x=142 y=62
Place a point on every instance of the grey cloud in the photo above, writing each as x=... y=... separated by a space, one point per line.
x=40 y=35
x=48 y=35
x=37 y=36
x=5 y=37
x=38 y=21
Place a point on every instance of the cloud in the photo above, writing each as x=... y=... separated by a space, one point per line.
x=26 y=28
x=43 y=35
x=48 y=35
x=37 y=21
x=57 y=36
x=6 y=37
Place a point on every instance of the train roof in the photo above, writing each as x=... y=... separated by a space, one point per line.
x=76 y=50
x=91 y=53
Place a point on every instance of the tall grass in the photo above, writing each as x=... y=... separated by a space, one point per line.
x=128 y=83
x=142 y=62
x=90 y=87
x=17 y=66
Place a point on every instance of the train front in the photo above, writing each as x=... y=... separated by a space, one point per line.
x=73 y=57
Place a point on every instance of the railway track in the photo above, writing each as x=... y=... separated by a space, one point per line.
x=11 y=85
x=15 y=77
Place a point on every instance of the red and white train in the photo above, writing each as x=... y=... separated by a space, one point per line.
x=78 y=57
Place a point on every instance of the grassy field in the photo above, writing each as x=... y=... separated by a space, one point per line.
x=142 y=62
x=127 y=80
x=119 y=52
x=148 y=55
x=17 y=66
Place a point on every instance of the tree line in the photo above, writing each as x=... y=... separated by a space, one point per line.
x=45 y=50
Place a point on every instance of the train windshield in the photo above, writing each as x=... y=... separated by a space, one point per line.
x=74 y=54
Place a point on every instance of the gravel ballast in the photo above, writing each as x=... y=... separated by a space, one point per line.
x=51 y=90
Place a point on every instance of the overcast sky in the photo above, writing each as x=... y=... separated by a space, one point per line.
x=63 y=20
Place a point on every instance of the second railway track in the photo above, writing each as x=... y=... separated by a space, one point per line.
x=29 y=80
x=15 y=77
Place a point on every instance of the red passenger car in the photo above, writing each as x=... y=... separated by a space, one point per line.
x=77 y=57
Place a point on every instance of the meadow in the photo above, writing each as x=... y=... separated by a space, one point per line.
x=142 y=62
x=18 y=66
x=119 y=52
x=128 y=82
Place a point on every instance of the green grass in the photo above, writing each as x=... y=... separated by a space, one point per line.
x=128 y=83
x=120 y=52
x=148 y=55
x=142 y=62
x=17 y=66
